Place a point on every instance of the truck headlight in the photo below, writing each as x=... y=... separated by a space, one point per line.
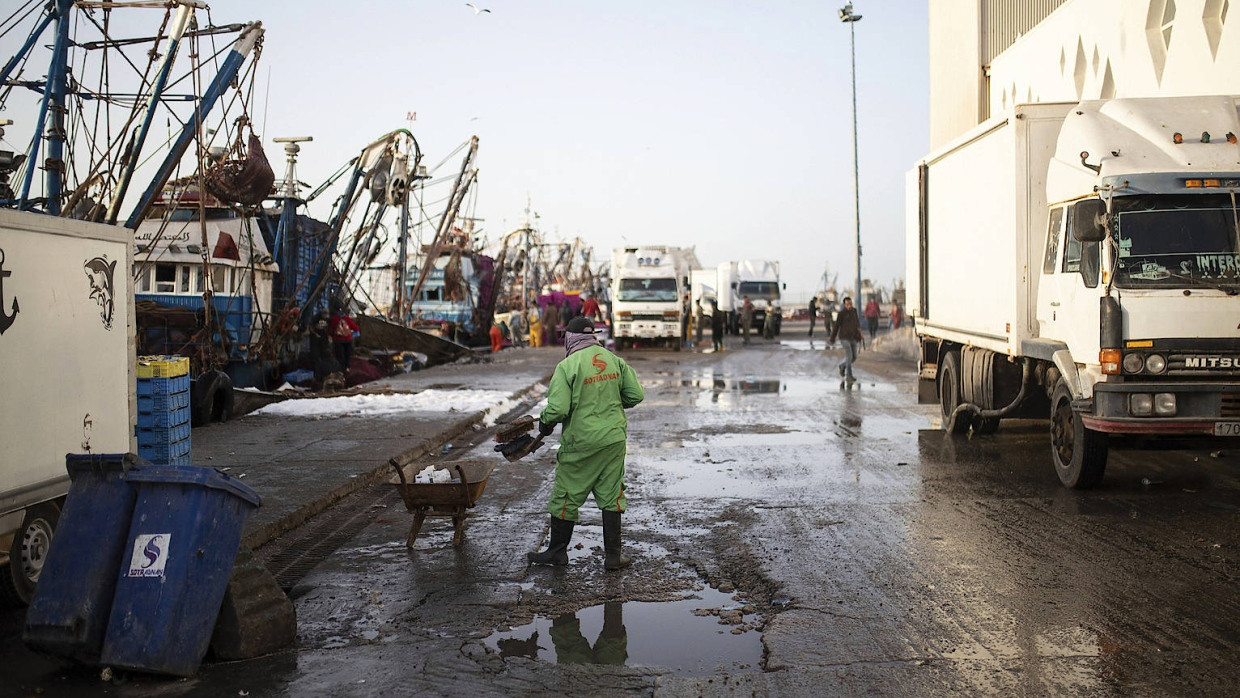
x=1164 y=404
x=1155 y=363
x=1141 y=404
x=1133 y=363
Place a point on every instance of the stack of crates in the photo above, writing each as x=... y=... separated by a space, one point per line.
x=163 y=409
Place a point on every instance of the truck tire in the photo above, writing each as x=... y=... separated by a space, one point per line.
x=212 y=398
x=949 y=394
x=1079 y=453
x=28 y=553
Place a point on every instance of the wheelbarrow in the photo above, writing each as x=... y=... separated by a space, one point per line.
x=446 y=499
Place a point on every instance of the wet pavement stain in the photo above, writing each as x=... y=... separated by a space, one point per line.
x=705 y=633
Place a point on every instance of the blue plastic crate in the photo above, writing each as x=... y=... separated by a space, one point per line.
x=165 y=452
x=150 y=404
x=163 y=419
x=163 y=435
x=163 y=386
x=181 y=460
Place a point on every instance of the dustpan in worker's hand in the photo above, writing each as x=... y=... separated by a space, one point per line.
x=519 y=447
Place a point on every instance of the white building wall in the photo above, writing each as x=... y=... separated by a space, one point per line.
x=1099 y=49
x=986 y=55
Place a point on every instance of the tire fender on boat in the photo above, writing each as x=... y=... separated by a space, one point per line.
x=212 y=398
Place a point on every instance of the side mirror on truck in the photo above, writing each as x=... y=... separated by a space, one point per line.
x=1089 y=220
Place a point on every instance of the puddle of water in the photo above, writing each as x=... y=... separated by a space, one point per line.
x=693 y=637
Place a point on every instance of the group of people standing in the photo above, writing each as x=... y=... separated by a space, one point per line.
x=331 y=342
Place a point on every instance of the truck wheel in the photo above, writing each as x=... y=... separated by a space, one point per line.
x=28 y=553
x=949 y=394
x=1080 y=454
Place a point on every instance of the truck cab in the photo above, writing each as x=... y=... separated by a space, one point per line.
x=649 y=285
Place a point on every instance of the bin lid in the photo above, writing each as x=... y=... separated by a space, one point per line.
x=78 y=463
x=193 y=475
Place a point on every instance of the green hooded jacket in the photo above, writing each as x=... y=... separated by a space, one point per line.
x=589 y=393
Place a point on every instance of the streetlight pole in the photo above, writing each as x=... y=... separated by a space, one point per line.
x=847 y=16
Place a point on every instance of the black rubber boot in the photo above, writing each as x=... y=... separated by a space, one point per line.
x=612 y=559
x=557 y=550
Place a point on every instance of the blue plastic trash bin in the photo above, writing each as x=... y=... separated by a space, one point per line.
x=69 y=613
x=174 y=570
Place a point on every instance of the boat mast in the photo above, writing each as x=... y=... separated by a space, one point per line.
x=180 y=22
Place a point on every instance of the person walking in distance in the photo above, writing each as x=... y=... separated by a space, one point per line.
x=813 y=312
x=589 y=392
x=746 y=318
x=716 y=326
x=848 y=330
x=343 y=331
x=550 y=323
x=699 y=317
x=871 y=316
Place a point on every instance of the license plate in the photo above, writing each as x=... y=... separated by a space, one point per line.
x=1227 y=428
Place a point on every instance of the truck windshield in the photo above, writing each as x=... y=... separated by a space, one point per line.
x=1174 y=242
x=647 y=290
x=768 y=290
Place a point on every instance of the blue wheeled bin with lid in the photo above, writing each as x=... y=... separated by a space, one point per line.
x=178 y=555
x=68 y=615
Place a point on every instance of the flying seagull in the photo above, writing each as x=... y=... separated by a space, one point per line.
x=474 y=7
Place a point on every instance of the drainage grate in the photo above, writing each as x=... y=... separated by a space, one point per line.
x=294 y=554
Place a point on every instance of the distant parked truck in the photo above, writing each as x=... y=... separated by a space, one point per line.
x=67 y=371
x=1082 y=262
x=649 y=285
x=758 y=279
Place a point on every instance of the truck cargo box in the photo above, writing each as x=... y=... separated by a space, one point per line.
x=66 y=352
x=976 y=217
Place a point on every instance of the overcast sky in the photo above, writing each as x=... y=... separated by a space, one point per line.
x=725 y=125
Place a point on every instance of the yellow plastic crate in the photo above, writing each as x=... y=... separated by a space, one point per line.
x=163 y=366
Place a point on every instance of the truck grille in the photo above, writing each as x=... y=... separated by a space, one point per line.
x=1203 y=365
x=656 y=317
x=1230 y=409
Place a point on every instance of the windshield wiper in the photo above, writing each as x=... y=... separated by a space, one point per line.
x=1229 y=290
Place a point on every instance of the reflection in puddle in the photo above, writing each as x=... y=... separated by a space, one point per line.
x=695 y=636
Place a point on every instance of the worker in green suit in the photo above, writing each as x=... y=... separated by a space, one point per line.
x=589 y=392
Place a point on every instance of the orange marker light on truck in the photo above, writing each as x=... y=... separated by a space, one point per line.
x=1110 y=358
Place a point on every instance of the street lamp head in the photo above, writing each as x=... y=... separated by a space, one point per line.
x=846 y=14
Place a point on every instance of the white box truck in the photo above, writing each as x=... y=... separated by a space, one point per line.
x=758 y=279
x=648 y=290
x=67 y=371
x=1081 y=262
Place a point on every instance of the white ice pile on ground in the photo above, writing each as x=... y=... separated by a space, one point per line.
x=375 y=405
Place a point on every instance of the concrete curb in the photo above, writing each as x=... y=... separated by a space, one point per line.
x=266 y=533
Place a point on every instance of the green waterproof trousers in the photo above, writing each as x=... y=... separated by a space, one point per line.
x=578 y=474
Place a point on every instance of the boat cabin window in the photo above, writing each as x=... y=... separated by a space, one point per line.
x=1054 y=229
x=165 y=278
x=184 y=275
x=143 y=280
x=432 y=294
x=219 y=279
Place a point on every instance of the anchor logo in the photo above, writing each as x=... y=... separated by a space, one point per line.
x=6 y=319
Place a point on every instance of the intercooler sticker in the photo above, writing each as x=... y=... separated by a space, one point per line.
x=150 y=555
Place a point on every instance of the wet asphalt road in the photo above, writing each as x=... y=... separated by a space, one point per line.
x=790 y=538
